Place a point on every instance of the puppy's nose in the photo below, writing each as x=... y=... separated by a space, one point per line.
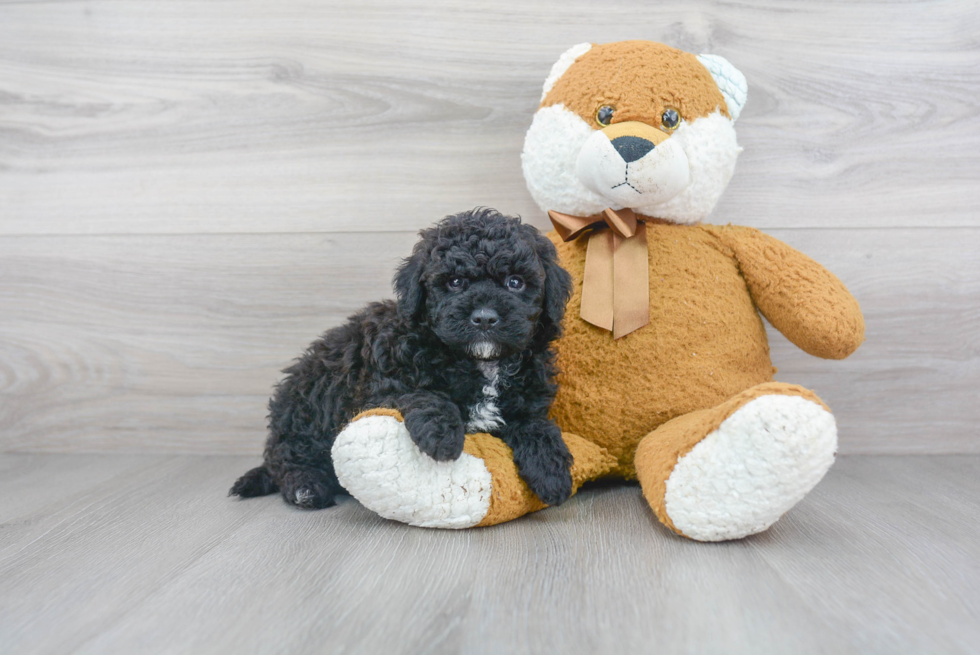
x=631 y=148
x=484 y=318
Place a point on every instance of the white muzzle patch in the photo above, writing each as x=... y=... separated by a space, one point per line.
x=484 y=350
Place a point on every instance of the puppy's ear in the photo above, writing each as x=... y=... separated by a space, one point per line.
x=408 y=285
x=557 y=283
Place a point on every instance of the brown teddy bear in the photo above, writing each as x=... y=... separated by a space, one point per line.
x=665 y=369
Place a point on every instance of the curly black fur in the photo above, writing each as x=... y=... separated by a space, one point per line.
x=458 y=306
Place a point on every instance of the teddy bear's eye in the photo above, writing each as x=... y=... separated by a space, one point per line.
x=670 y=119
x=604 y=115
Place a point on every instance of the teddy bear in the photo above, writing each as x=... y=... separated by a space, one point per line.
x=664 y=375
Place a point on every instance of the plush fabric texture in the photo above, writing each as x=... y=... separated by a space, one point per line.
x=658 y=453
x=802 y=299
x=686 y=403
x=756 y=465
x=712 y=150
x=731 y=82
x=640 y=79
x=511 y=497
x=378 y=463
x=653 y=178
x=670 y=385
x=564 y=62
x=705 y=342
x=551 y=149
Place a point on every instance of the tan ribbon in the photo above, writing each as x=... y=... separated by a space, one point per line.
x=616 y=283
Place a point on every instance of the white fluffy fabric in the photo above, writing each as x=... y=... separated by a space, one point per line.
x=730 y=81
x=651 y=180
x=551 y=150
x=711 y=149
x=760 y=462
x=563 y=64
x=378 y=464
x=557 y=136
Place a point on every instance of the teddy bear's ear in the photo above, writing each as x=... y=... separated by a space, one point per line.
x=563 y=64
x=730 y=82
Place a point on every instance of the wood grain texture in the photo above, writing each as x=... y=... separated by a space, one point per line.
x=187 y=117
x=172 y=343
x=150 y=557
x=190 y=192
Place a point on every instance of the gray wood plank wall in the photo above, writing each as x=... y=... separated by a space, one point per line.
x=191 y=191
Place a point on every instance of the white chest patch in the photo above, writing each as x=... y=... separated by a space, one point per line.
x=485 y=415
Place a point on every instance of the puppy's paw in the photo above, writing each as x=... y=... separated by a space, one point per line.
x=307 y=489
x=553 y=485
x=437 y=429
x=543 y=459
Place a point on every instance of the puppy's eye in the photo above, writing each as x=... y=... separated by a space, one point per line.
x=515 y=283
x=604 y=115
x=456 y=284
x=670 y=119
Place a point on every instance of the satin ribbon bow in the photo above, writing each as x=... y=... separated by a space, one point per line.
x=616 y=283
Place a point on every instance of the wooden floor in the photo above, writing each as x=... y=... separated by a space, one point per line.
x=144 y=553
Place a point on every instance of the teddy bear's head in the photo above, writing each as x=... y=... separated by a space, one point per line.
x=635 y=125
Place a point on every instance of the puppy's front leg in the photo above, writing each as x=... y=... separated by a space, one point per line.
x=542 y=458
x=435 y=424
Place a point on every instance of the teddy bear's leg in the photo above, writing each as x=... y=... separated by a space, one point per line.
x=378 y=463
x=733 y=470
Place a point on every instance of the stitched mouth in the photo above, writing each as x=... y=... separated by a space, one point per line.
x=627 y=184
x=626 y=181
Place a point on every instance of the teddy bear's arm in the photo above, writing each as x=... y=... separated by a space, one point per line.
x=802 y=299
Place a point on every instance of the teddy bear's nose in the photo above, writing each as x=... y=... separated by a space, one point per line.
x=631 y=148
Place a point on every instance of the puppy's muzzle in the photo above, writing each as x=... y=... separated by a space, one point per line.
x=485 y=318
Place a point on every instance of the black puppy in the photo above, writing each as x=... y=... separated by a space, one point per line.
x=466 y=348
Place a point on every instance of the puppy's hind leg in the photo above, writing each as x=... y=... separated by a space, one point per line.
x=303 y=472
x=309 y=488
x=303 y=486
x=257 y=482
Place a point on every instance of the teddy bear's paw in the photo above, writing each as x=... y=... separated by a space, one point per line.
x=752 y=469
x=378 y=464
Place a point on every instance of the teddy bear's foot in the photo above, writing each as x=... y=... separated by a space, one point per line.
x=733 y=470
x=378 y=463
